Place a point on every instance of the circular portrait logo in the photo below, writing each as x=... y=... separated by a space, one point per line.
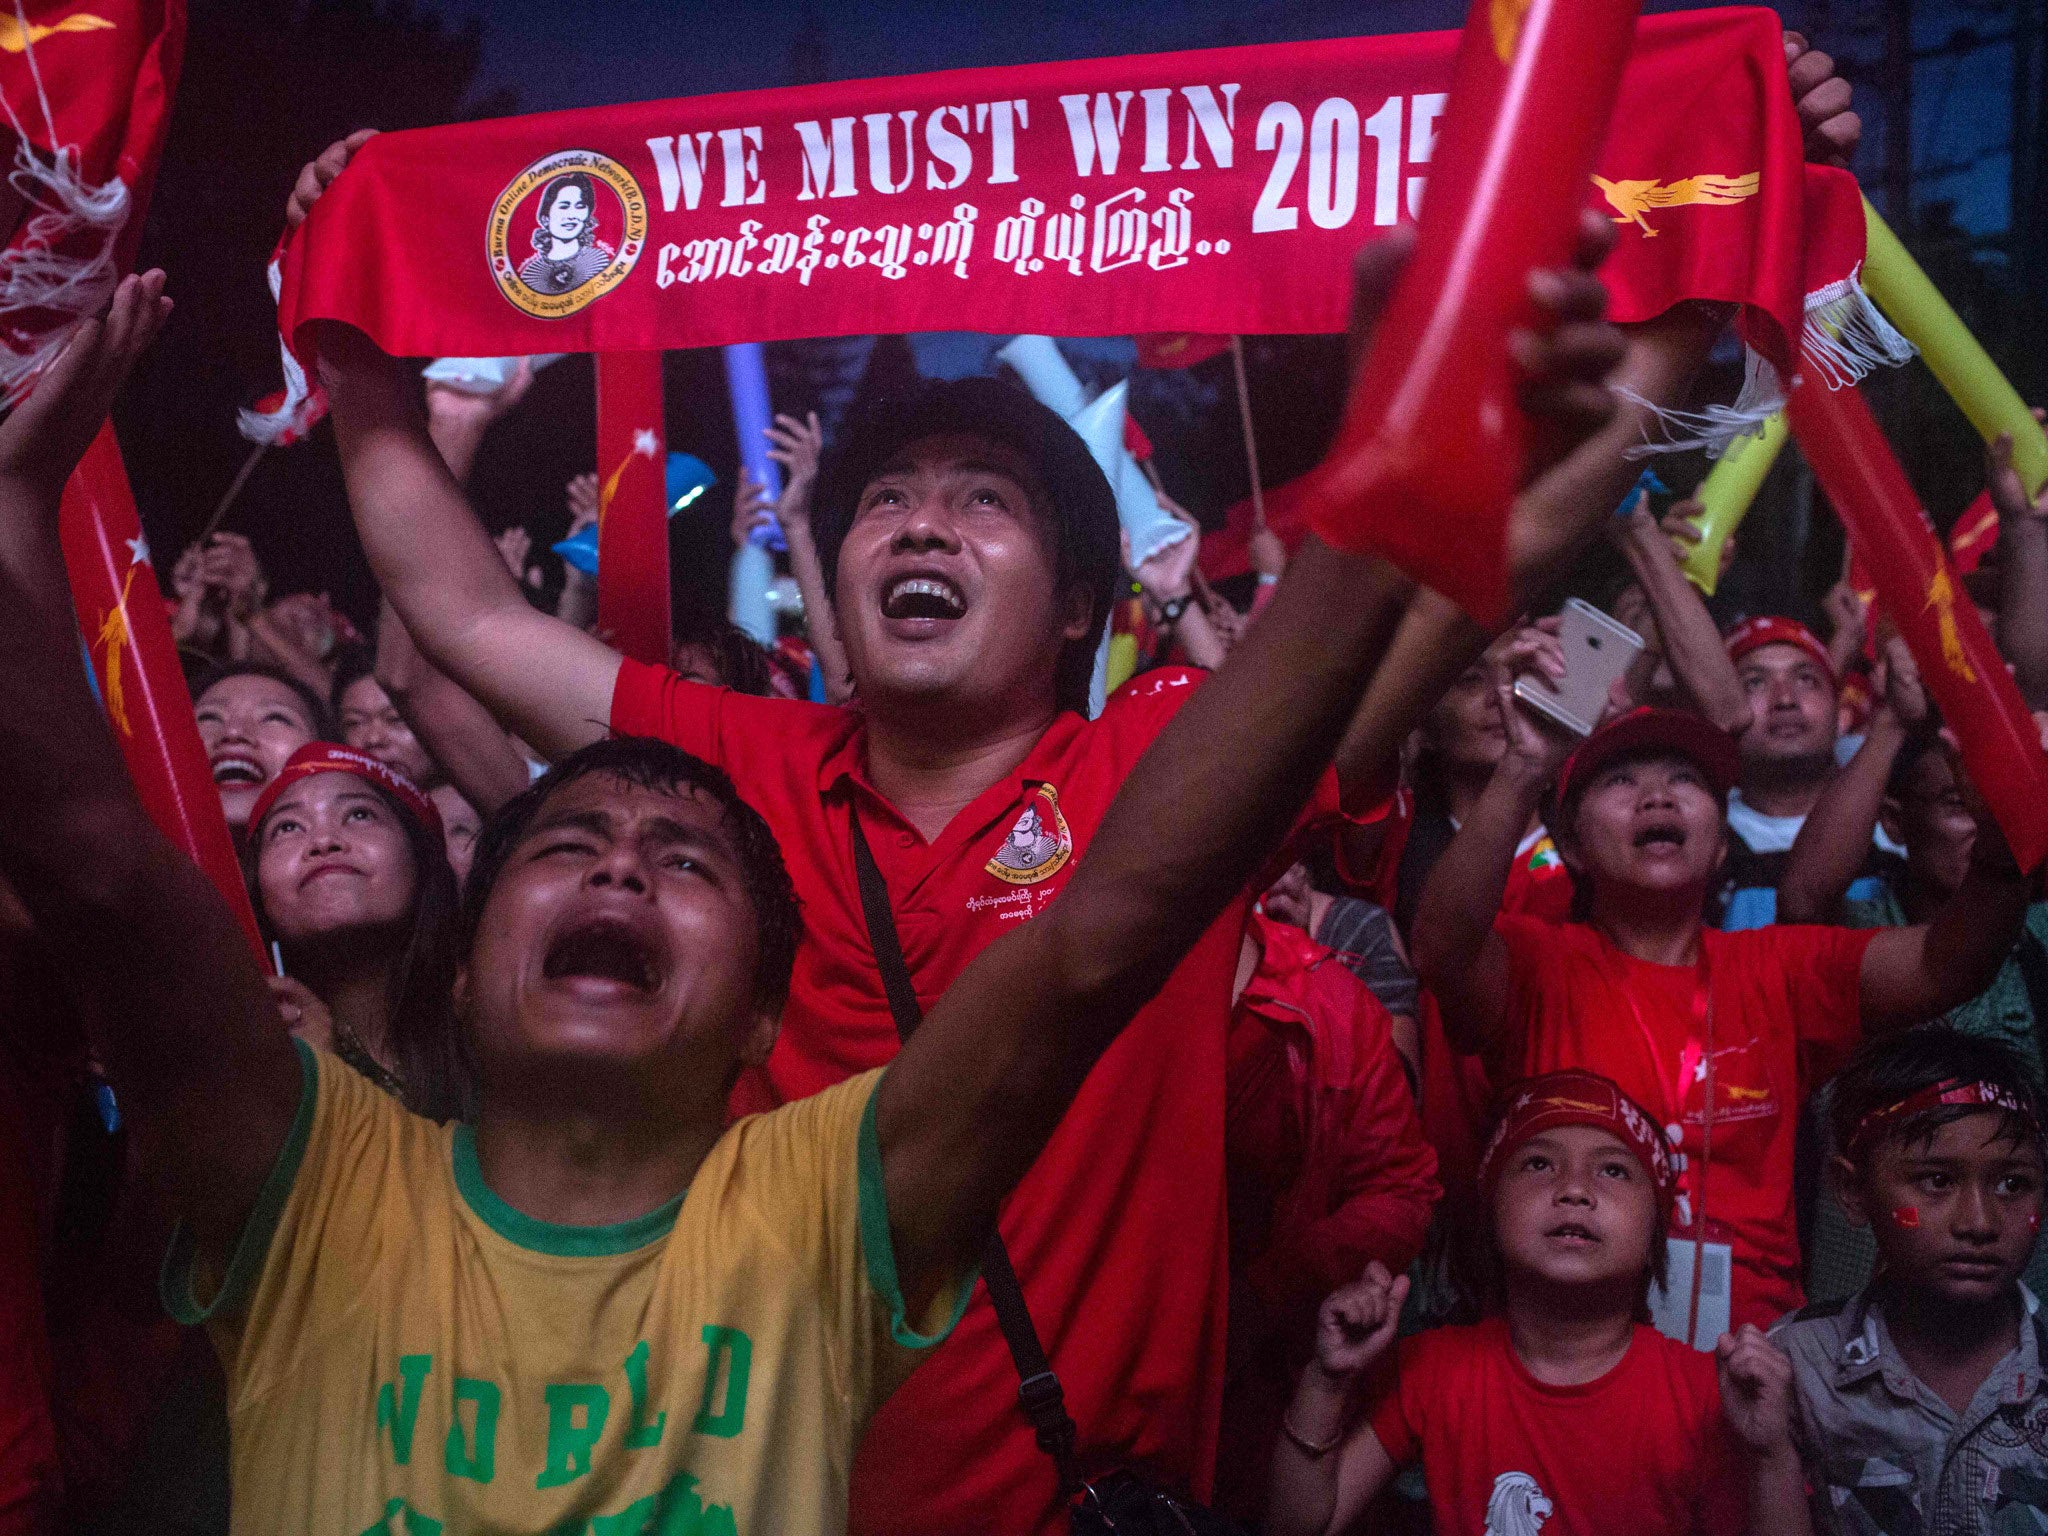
x=565 y=232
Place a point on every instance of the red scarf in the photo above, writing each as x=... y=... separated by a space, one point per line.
x=1219 y=192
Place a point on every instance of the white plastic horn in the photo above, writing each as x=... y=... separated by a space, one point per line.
x=1045 y=373
x=1149 y=526
x=481 y=375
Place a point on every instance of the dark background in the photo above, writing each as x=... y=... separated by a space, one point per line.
x=1953 y=152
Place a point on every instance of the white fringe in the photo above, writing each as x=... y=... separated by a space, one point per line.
x=1714 y=428
x=34 y=275
x=1843 y=337
x=1846 y=336
x=289 y=421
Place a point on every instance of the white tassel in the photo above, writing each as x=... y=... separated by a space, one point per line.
x=1846 y=335
x=1714 y=428
x=295 y=414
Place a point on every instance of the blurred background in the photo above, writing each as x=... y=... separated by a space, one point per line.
x=1955 y=139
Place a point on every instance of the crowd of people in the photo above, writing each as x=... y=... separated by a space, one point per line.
x=846 y=1085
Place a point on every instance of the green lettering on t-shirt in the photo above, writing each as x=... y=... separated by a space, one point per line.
x=639 y=1433
x=570 y=1442
x=737 y=1349
x=399 y=1409
x=413 y=1523
x=473 y=1456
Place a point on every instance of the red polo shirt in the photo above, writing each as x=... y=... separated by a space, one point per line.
x=1118 y=1231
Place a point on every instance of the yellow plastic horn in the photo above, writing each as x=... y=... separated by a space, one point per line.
x=1912 y=303
x=1724 y=496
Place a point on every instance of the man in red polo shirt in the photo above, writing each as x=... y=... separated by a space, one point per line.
x=971 y=546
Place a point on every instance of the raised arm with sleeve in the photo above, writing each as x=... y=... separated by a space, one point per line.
x=196 y=1049
x=2022 y=573
x=1458 y=956
x=1692 y=644
x=1834 y=844
x=977 y=1091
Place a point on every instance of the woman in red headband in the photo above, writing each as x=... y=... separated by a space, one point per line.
x=1563 y=1411
x=347 y=867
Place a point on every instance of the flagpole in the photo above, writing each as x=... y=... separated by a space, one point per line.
x=234 y=489
x=1251 y=443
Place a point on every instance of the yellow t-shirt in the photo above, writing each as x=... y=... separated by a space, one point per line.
x=407 y=1354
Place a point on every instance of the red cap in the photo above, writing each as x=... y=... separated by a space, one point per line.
x=1540 y=1104
x=326 y=757
x=1646 y=730
x=1771 y=629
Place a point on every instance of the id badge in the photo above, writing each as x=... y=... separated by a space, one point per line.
x=1671 y=1302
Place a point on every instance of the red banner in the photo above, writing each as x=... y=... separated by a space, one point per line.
x=632 y=507
x=1917 y=587
x=1221 y=191
x=135 y=662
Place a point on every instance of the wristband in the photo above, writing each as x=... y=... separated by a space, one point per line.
x=1171 y=610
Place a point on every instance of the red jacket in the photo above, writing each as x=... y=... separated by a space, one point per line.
x=1328 y=1169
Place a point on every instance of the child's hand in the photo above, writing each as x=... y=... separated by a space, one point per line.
x=1357 y=1323
x=1756 y=1389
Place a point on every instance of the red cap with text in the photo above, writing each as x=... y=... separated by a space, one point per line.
x=326 y=757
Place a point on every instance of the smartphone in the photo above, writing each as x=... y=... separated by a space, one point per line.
x=1597 y=651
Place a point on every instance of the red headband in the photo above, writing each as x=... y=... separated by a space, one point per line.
x=1878 y=1123
x=1579 y=1098
x=325 y=757
x=1769 y=629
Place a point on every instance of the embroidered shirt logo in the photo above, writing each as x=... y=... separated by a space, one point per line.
x=1038 y=846
x=565 y=231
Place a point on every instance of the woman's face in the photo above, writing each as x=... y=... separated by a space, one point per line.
x=332 y=857
x=371 y=723
x=249 y=726
x=1649 y=824
x=1465 y=726
x=568 y=213
x=1574 y=1207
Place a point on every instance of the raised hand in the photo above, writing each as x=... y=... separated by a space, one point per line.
x=1357 y=1323
x=2008 y=494
x=751 y=508
x=515 y=543
x=1832 y=131
x=1756 y=1389
x=304 y=1013
x=449 y=406
x=1533 y=742
x=318 y=175
x=1904 y=694
x=44 y=437
x=582 y=492
x=1167 y=575
x=1846 y=610
x=798 y=446
x=232 y=571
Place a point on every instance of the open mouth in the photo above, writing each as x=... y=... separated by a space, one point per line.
x=603 y=950
x=922 y=597
x=237 y=772
x=1661 y=835
x=1572 y=1232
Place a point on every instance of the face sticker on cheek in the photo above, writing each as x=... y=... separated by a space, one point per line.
x=1907 y=1216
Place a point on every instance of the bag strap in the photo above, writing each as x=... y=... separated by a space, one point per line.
x=1039 y=1394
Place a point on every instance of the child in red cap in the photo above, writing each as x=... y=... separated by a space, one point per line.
x=1565 y=1412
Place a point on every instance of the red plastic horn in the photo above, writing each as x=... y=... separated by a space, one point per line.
x=135 y=661
x=632 y=516
x=1433 y=450
x=1916 y=586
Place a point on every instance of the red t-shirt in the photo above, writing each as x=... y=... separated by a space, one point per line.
x=1785 y=1012
x=1118 y=1231
x=1642 y=1450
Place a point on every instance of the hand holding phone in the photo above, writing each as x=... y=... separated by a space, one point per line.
x=1598 y=651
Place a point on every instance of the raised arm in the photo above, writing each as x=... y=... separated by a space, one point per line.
x=1692 y=645
x=797 y=446
x=457 y=731
x=1834 y=844
x=1458 y=956
x=197 y=1050
x=979 y=1089
x=2022 y=573
x=1912 y=974
x=546 y=680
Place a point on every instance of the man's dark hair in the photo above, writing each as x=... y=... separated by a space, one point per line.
x=649 y=764
x=1078 y=504
x=1888 y=1070
x=740 y=660
x=317 y=713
